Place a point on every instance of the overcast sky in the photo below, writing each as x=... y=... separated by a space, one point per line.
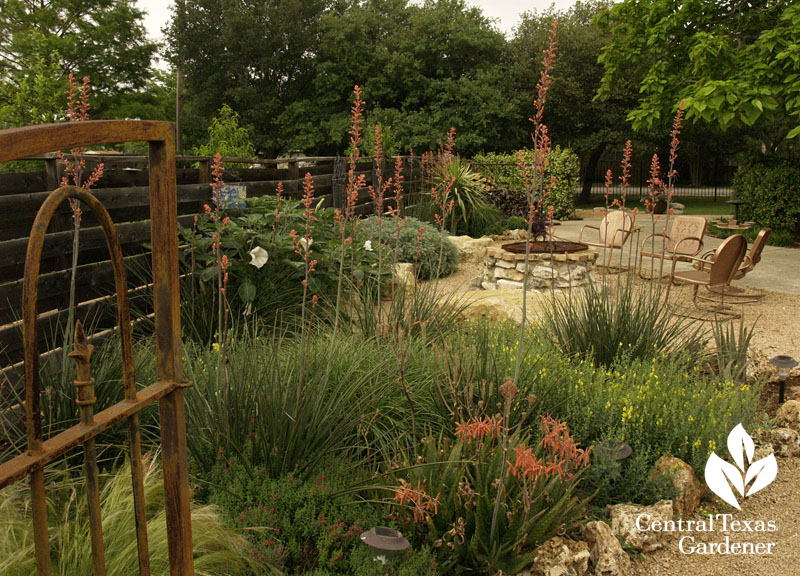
x=505 y=12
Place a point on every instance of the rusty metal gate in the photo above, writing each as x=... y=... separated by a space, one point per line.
x=169 y=388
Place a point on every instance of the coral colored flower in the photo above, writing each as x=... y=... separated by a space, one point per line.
x=479 y=428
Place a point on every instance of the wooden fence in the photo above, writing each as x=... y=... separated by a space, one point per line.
x=124 y=192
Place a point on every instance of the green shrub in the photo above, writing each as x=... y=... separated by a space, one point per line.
x=503 y=171
x=771 y=192
x=423 y=250
x=274 y=290
x=305 y=524
x=516 y=223
x=218 y=550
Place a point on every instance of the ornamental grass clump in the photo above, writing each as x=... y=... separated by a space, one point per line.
x=218 y=550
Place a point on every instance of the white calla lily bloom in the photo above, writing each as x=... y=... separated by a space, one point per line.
x=258 y=257
x=368 y=245
x=305 y=243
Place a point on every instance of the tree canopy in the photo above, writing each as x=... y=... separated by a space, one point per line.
x=730 y=63
x=102 y=39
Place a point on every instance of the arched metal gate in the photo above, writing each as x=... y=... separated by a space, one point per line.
x=168 y=390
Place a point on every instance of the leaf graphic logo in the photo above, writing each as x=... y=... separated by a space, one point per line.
x=722 y=475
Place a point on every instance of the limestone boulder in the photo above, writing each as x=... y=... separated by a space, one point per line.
x=605 y=552
x=688 y=488
x=404 y=277
x=623 y=524
x=560 y=557
x=788 y=415
x=471 y=249
x=784 y=441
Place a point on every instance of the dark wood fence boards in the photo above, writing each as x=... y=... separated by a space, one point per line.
x=123 y=190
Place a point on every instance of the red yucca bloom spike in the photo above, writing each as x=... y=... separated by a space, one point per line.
x=544 y=76
x=626 y=165
x=654 y=182
x=676 y=130
x=357 y=119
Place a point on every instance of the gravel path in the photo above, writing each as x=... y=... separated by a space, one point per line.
x=777 y=502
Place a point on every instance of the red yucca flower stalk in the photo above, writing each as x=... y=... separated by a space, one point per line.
x=220 y=260
x=378 y=194
x=442 y=192
x=77 y=111
x=354 y=184
x=302 y=244
x=536 y=176
x=533 y=173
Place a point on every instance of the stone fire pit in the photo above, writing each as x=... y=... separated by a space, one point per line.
x=557 y=265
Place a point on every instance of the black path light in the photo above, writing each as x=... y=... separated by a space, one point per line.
x=386 y=540
x=783 y=364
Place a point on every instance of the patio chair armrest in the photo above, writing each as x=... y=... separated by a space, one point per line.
x=689 y=239
x=584 y=227
x=654 y=235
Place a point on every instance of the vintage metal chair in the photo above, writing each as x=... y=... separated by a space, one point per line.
x=715 y=271
x=614 y=230
x=685 y=239
x=751 y=259
x=169 y=388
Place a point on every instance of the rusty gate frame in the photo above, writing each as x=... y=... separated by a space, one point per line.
x=168 y=390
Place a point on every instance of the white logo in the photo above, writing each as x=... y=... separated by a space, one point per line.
x=721 y=475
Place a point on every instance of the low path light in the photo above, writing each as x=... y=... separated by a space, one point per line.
x=783 y=364
x=387 y=540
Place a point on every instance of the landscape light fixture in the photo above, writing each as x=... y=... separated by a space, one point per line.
x=783 y=364
x=386 y=540
x=613 y=450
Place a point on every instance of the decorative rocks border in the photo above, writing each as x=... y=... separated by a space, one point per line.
x=546 y=271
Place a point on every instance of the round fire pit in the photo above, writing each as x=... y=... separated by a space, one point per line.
x=540 y=247
x=552 y=265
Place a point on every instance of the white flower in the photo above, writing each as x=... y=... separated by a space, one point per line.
x=368 y=245
x=258 y=257
x=305 y=243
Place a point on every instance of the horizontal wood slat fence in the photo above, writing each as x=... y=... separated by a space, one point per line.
x=124 y=192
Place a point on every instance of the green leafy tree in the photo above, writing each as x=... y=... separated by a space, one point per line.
x=289 y=70
x=34 y=93
x=227 y=137
x=731 y=64
x=257 y=57
x=102 y=39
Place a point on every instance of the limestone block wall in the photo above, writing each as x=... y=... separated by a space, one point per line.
x=546 y=271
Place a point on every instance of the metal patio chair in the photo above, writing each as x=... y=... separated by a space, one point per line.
x=614 y=230
x=716 y=271
x=685 y=240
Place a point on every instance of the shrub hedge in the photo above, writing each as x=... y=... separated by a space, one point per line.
x=503 y=171
x=770 y=189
